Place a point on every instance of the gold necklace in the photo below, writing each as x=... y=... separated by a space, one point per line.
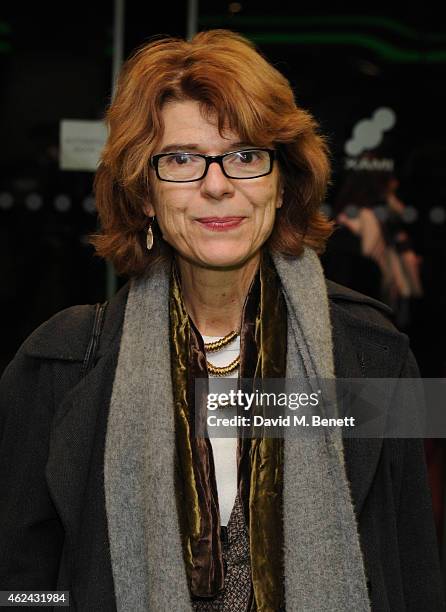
x=223 y=370
x=211 y=347
x=221 y=342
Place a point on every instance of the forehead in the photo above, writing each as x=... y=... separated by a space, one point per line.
x=186 y=126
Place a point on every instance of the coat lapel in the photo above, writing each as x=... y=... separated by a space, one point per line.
x=73 y=428
x=362 y=350
x=72 y=439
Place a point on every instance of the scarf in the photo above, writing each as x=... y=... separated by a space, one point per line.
x=323 y=566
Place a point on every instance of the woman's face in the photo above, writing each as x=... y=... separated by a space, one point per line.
x=216 y=221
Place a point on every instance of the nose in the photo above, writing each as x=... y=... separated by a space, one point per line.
x=215 y=184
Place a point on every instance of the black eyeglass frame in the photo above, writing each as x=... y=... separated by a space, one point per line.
x=210 y=159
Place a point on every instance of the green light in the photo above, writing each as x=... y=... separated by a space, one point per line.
x=387 y=51
x=325 y=20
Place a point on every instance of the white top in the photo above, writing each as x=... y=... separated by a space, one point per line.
x=224 y=449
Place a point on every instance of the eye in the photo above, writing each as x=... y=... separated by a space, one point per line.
x=247 y=157
x=251 y=157
x=179 y=159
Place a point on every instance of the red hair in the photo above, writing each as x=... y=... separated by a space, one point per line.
x=227 y=76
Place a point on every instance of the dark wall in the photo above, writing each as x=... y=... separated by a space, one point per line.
x=55 y=63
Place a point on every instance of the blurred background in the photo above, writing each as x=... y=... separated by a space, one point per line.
x=374 y=79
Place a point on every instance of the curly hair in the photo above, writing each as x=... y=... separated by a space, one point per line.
x=229 y=78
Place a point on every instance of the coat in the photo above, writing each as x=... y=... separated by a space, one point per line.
x=53 y=527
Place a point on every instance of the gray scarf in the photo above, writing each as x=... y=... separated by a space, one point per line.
x=323 y=562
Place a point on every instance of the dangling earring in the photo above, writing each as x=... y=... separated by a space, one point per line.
x=149 y=240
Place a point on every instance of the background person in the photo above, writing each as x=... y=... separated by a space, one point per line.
x=371 y=254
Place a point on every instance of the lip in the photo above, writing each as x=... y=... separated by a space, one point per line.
x=220 y=224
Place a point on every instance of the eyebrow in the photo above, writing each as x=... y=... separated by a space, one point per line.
x=192 y=147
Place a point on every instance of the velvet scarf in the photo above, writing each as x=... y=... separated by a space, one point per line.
x=260 y=460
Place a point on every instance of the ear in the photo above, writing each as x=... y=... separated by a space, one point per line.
x=280 y=197
x=149 y=209
x=280 y=189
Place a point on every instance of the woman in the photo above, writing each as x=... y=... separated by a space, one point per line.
x=208 y=194
x=383 y=248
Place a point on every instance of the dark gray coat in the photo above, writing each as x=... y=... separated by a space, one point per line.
x=53 y=530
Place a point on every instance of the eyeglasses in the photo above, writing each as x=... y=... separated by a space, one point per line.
x=187 y=167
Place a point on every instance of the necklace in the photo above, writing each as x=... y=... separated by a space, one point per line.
x=223 y=370
x=221 y=342
x=211 y=347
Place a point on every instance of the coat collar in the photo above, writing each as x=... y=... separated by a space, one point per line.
x=75 y=324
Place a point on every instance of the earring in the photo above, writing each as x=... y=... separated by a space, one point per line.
x=149 y=239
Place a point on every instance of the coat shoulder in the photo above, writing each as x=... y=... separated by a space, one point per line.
x=361 y=308
x=62 y=336
x=66 y=334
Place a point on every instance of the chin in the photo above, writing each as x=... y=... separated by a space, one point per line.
x=226 y=258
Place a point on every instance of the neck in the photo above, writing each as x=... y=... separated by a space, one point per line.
x=214 y=298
